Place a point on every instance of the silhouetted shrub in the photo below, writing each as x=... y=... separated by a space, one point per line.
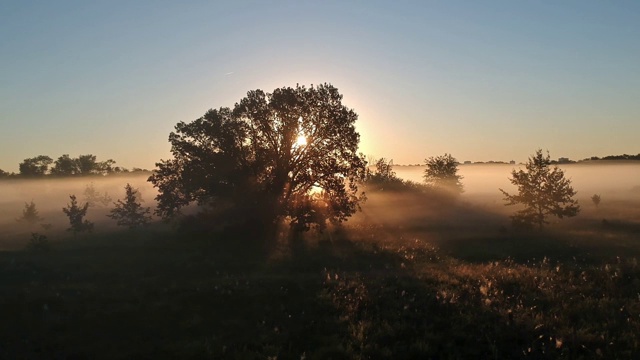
x=76 y=216
x=38 y=242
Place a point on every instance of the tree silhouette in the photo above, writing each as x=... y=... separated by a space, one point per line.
x=249 y=164
x=76 y=216
x=36 y=166
x=4 y=174
x=65 y=166
x=30 y=214
x=383 y=171
x=82 y=165
x=543 y=191
x=442 y=172
x=596 y=199
x=130 y=212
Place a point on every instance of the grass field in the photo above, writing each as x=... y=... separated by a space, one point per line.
x=408 y=277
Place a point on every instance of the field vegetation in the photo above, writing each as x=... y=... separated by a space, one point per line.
x=416 y=274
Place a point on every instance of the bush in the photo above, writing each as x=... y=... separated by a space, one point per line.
x=39 y=243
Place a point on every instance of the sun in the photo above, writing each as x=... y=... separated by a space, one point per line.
x=301 y=141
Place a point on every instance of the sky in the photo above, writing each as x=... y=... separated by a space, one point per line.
x=481 y=80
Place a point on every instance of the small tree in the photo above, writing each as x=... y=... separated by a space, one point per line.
x=130 y=212
x=30 y=214
x=543 y=191
x=76 y=216
x=442 y=172
x=596 y=200
x=383 y=171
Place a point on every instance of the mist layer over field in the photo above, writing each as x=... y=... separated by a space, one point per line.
x=609 y=179
x=413 y=270
x=617 y=183
x=52 y=194
x=481 y=206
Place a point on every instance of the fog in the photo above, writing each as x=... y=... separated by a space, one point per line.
x=613 y=180
x=618 y=183
x=50 y=195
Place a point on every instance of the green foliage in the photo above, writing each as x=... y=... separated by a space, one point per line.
x=36 y=166
x=130 y=212
x=93 y=196
x=442 y=172
x=596 y=199
x=38 y=243
x=30 y=214
x=76 y=216
x=247 y=161
x=543 y=191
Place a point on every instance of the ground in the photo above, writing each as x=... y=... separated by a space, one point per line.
x=409 y=277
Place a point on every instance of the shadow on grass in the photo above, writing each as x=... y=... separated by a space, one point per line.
x=121 y=296
x=375 y=289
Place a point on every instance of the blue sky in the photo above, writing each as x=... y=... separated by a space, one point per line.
x=490 y=80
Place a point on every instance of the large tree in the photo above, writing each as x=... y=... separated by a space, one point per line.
x=287 y=154
x=543 y=191
x=36 y=166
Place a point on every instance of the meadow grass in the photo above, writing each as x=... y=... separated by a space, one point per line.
x=412 y=280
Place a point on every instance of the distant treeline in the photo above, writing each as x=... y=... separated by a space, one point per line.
x=560 y=161
x=65 y=166
x=616 y=157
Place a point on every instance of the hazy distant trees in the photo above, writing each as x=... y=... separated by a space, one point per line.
x=596 y=199
x=76 y=216
x=543 y=191
x=93 y=196
x=442 y=172
x=130 y=212
x=65 y=166
x=30 y=214
x=249 y=162
x=88 y=165
x=36 y=166
x=4 y=174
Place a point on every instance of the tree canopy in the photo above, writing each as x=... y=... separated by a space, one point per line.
x=130 y=212
x=82 y=165
x=36 y=166
x=76 y=216
x=442 y=172
x=543 y=191
x=289 y=154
